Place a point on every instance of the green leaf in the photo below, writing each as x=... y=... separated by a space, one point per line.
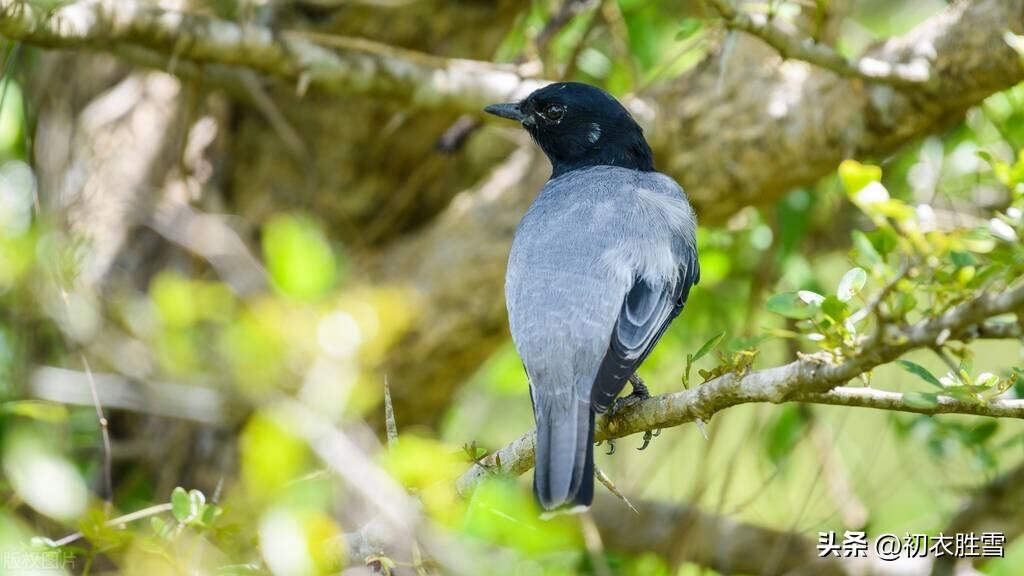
x=37 y=410
x=856 y=176
x=851 y=284
x=835 y=309
x=796 y=305
x=865 y=250
x=961 y=259
x=708 y=346
x=982 y=432
x=921 y=372
x=210 y=513
x=158 y=525
x=688 y=27
x=181 y=504
x=921 y=399
x=785 y=433
x=298 y=257
x=197 y=502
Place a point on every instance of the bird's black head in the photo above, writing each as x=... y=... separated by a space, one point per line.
x=579 y=125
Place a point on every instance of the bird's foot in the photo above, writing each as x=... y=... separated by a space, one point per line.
x=640 y=393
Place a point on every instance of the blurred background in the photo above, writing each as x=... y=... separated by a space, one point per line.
x=209 y=269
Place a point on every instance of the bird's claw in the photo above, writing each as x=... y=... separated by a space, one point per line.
x=647 y=438
x=611 y=447
x=638 y=394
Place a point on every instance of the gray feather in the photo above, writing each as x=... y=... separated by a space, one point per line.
x=599 y=266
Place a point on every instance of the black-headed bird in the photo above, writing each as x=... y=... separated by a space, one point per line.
x=601 y=264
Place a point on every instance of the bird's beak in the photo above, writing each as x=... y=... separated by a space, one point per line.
x=509 y=110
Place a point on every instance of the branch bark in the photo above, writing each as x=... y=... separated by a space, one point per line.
x=912 y=75
x=808 y=379
x=337 y=64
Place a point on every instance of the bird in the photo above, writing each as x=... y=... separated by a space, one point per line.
x=600 y=265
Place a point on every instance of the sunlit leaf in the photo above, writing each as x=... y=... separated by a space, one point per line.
x=503 y=513
x=298 y=256
x=855 y=176
x=181 y=505
x=37 y=410
x=270 y=456
x=851 y=284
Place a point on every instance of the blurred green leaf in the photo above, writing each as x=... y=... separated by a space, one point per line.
x=865 y=253
x=418 y=462
x=835 y=309
x=855 y=176
x=785 y=433
x=12 y=118
x=921 y=372
x=982 y=432
x=796 y=305
x=961 y=259
x=37 y=410
x=501 y=512
x=181 y=505
x=298 y=256
x=688 y=27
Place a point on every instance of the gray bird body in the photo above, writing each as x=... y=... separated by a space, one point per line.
x=600 y=265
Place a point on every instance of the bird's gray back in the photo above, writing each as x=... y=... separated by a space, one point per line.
x=576 y=253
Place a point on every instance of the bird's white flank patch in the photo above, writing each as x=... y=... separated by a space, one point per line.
x=595 y=133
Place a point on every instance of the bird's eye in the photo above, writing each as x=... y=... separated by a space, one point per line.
x=554 y=112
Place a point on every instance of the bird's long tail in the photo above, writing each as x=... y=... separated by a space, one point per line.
x=564 y=475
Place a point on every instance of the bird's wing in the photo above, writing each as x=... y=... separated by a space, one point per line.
x=647 y=310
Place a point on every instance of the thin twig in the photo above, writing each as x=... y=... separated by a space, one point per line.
x=108 y=477
x=607 y=482
x=137 y=515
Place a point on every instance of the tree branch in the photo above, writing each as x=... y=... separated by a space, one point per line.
x=684 y=533
x=914 y=74
x=330 y=63
x=810 y=379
